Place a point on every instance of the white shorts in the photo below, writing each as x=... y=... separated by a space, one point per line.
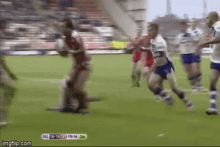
x=145 y=69
x=138 y=65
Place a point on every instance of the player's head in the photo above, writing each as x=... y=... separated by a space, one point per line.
x=212 y=18
x=183 y=26
x=153 y=30
x=194 y=23
x=67 y=27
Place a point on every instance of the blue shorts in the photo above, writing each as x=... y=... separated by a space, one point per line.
x=190 y=58
x=165 y=69
x=215 y=66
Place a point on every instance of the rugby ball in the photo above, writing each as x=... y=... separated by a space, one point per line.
x=59 y=44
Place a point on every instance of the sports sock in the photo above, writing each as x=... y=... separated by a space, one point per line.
x=138 y=76
x=163 y=94
x=198 y=79
x=134 y=79
x=214 y=97
x=183 y=97
x=193 y=81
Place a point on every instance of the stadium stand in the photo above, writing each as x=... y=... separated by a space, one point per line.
x=29 y=20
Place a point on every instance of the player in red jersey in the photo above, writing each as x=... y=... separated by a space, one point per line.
x=137 y=64
x=147 y=56
x=80 y=71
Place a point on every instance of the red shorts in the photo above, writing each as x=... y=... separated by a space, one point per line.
x=136 y=55
x=149 y=59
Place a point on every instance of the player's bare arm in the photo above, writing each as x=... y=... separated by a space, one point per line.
x=214 y=40
x=147 y=49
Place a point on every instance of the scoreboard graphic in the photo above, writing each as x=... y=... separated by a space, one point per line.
x=64 y=136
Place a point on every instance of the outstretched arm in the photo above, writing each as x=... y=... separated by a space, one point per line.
x=214 y=40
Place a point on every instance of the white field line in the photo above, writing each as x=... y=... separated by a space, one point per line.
x=52 y=81
x=31 y=100
x=190 y=90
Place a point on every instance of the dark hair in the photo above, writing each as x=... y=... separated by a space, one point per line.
x=69 y=23
x=214 y=14
x=154 y=26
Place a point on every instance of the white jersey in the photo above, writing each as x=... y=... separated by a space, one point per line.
x=198 y=35
x=187 y=41
x=215 y=57
x=159 y=47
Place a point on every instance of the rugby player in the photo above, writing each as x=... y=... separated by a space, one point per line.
x=147 y=59
x=186 y=41
x=147 y=56
x=137 y=64
x=214 y=25
x=163 y=69
x=198 y=53
x=7 y=89
x=74 y=86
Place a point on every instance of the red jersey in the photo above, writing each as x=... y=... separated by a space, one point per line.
x=137 y=52
x=147 y=57
x=81 y=59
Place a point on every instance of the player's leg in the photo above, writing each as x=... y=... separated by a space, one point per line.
x=147 y=75
x=197 y=72
x=186 y=59
x=67 y=91
x=134 y=74
x=3 y=112
x=138 y=72
x=154 y=85
x=7 y=94
x=186 y=64
x=180 y=93
x=213 y=89
x=197 y=77
x=66 y=96
x=80 y=93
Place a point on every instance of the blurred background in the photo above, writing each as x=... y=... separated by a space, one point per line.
x=103 y=24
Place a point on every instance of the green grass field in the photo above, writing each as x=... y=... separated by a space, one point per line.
x=126 y=116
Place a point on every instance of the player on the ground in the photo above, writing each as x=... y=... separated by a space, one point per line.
x=137 y=64
x=80 y=72
x=186 y=41
x=214 y=24
x=164 y=69
x=7 y=89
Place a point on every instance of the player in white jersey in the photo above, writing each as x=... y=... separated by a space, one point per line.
x=186 y=41
x=163 y=69
x=195 y=31
x=214 y=24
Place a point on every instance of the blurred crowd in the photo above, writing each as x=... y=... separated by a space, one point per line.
x=33 y=23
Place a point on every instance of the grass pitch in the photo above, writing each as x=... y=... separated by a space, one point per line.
x=127 y=115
